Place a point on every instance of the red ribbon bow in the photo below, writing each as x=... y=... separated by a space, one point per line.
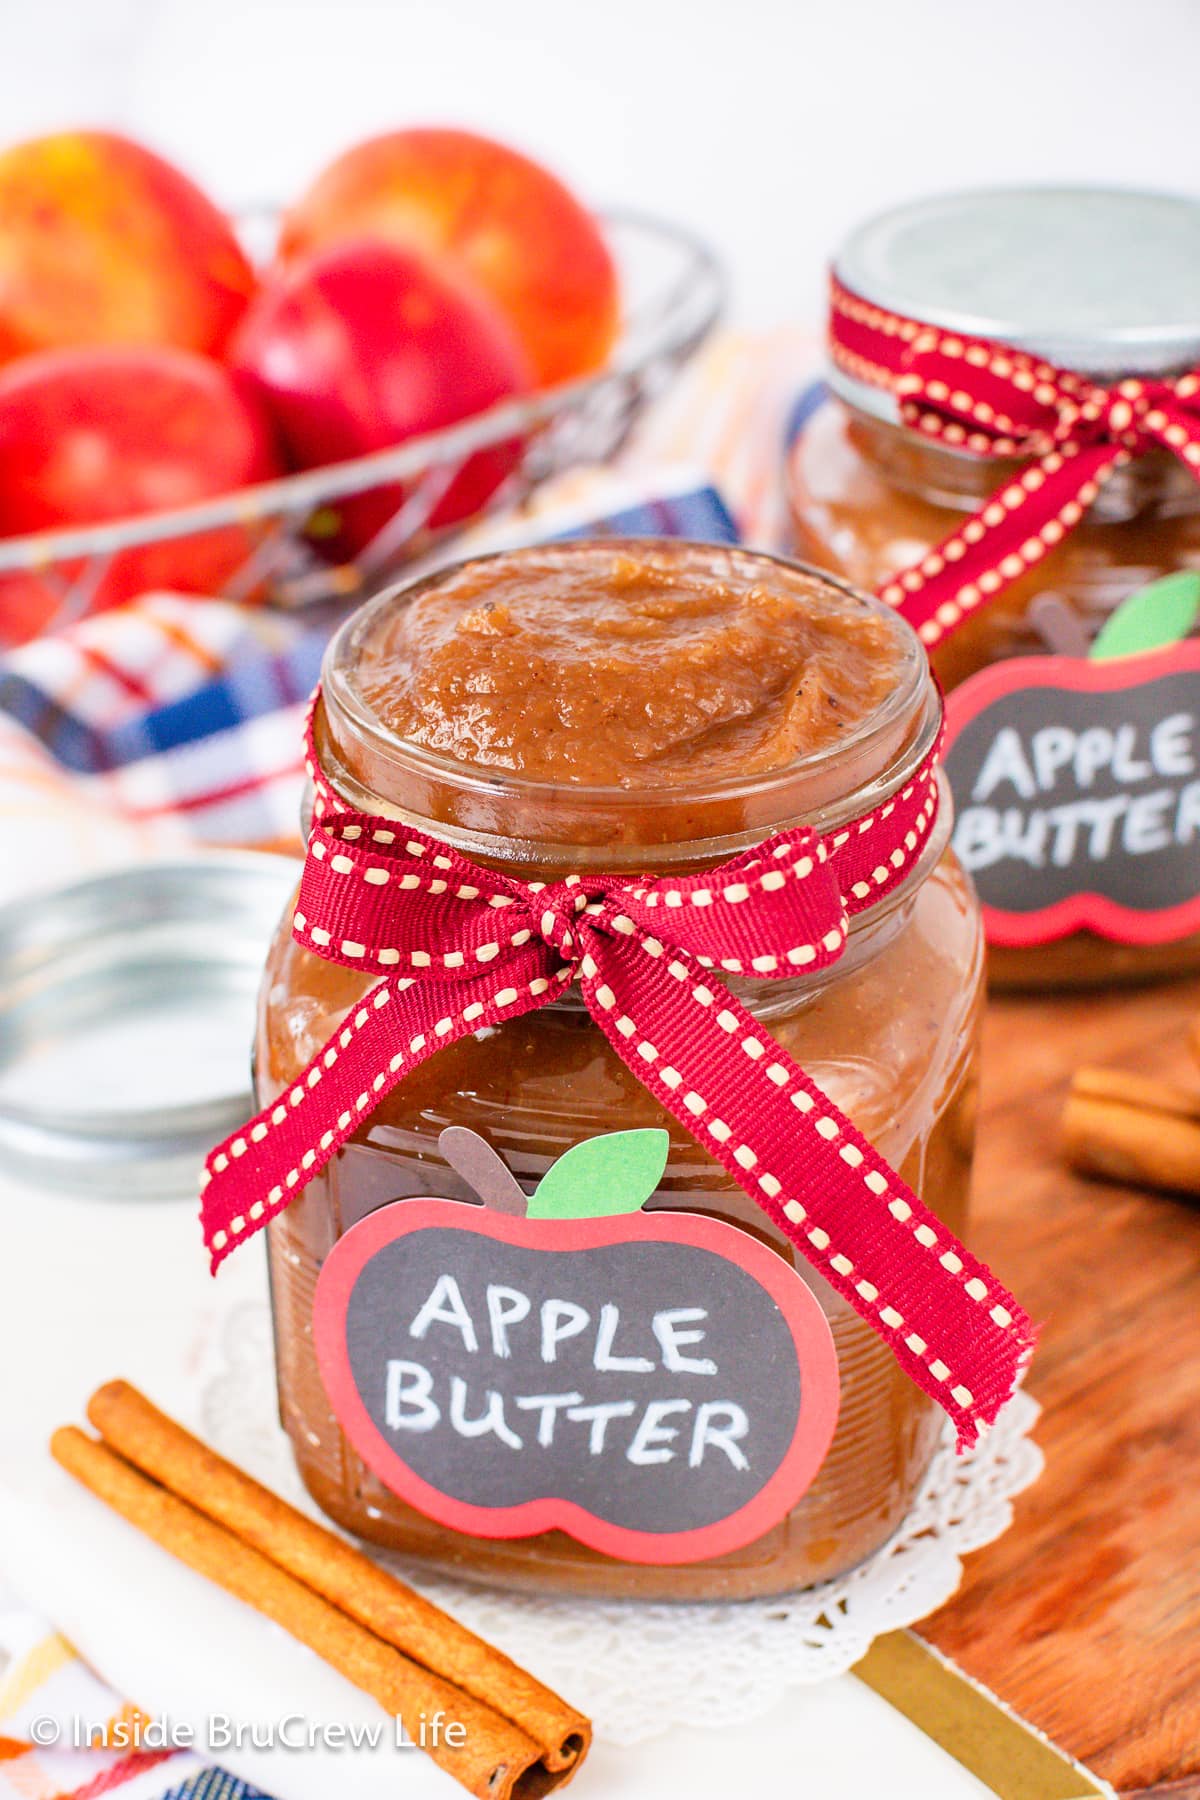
x=977 y=395
x=458 y=948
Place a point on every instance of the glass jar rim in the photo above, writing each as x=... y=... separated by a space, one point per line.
x=912 y=695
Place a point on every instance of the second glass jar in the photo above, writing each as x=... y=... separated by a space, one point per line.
x=870 y=498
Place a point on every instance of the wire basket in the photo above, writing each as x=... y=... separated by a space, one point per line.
x=673 y=290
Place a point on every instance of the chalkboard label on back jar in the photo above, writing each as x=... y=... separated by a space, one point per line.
x=1077 y=795
x=662 y=1386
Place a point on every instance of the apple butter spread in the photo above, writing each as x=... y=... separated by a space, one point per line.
x=646 y=678
x=638 y=708
x=872 y=497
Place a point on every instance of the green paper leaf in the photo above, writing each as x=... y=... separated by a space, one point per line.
x=1155 y=616
x=602 y=1176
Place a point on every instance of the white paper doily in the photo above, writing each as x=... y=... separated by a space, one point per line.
x=637 y=1668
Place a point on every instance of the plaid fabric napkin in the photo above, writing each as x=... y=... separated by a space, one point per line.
x=48 y=1698
x=172 y=722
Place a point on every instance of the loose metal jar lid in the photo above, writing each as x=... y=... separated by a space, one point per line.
x=126 y=1021
x=1105 y=281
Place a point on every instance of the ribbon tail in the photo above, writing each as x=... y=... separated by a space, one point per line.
x=1011 y=532
x=1177 y=426
x=397 y=1025
x=953 y=1328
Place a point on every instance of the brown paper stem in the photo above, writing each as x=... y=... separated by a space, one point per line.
x=336 y=1570
x=497 y=1760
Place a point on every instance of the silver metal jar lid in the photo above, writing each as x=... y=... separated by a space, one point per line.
x=126 y=1021
x=1102 y=280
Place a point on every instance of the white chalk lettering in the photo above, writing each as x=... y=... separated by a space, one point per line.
x=407 y=1402
x=1187 y=819
x=652 y=1436
x=604 y=1360
x=1125 y=765
x=598 y=1417
x=1170 y=745
x=1005 y=761
x=561 y=1319
x=985 y=836
x=445 y=1306
x=1056 y=754
x=1052 y=749
x=548 y=1406
x=1093 y=753
x=506 y=1306
x=724 y=1437
x=666 y=1329
x=1145 y=829
x=490 y=1420
x=1096 y=817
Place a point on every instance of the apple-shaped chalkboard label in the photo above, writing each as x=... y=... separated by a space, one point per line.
x=1077 y=784
x=663 y=1386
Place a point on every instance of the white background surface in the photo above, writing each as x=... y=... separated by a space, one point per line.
x=771 y=125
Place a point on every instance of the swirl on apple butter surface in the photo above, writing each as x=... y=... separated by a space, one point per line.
x=626 y=666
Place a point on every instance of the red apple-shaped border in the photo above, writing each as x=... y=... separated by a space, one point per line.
x=806 y=1322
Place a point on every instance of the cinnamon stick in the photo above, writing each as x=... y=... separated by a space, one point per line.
x=143 y=1435
x=496 y=1760
x=1126 y=1127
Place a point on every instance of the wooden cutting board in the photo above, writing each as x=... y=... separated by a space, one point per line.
x=1085 y=1617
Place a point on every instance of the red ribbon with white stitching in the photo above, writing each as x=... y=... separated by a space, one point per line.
x=457 y=948
x=989 y=398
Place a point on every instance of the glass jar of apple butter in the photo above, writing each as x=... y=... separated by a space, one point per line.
x=1098 y=281
x=638 y=707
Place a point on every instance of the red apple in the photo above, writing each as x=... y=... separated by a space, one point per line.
x=500 y=218
x=110 y=432
x=101 y=241
x=28 y=608
x=362 y=346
